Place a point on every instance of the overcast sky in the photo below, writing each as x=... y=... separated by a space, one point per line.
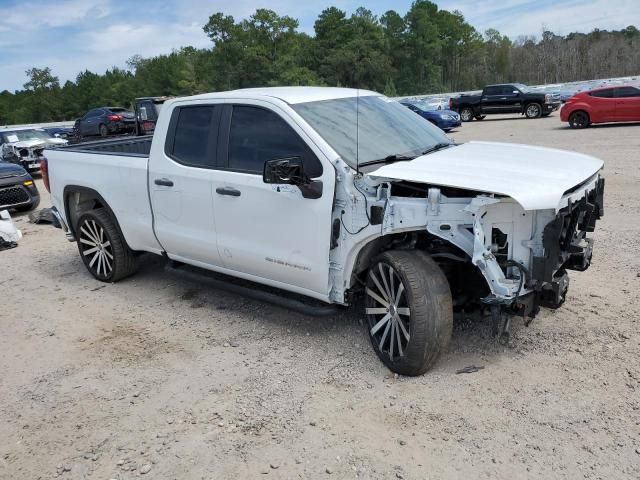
x=73 y=35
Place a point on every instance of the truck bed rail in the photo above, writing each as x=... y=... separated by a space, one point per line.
x=134 y=146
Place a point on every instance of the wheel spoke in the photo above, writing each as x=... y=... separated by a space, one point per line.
x=376 y=310
x=106 y=244
x=90 y=235
x=398 y=338
x=406 y=311
x=392 y=340
x=93 y=260
x=92 y=227
x=376 y=297
x=380 y=323
x=87 y=242
x=90 y=251
x=100 y=262
x=381 y=289
x=106 y=252
x=106 y=262
x=403 y=328
x=399 y=294
x=384 y=281
x=384 y=335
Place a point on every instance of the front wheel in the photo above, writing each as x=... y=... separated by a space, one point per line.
x=102 y=247
x=466 y=114
x=533 y=110
x=409 y=311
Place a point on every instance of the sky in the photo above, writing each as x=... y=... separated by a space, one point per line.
x=73 y=35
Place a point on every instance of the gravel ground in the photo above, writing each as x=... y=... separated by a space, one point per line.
x=159 y=378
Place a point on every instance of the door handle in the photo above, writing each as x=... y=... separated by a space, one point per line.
x=232 y=192
x=165 y=182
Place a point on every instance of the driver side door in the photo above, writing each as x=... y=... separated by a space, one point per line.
x=270 y=232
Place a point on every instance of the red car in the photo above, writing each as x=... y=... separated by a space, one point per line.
x=609 y=104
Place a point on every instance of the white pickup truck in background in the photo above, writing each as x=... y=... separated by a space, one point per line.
x=336 y=194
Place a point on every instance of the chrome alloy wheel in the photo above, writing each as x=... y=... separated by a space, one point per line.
x=533 y=111
x=388 y=311
x=96 y=248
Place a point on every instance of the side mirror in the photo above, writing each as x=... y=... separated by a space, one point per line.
x=290 y=171
x=516 y=92
x=284 y=170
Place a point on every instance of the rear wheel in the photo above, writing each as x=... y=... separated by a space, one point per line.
x=103 y=131
x=102 y=248
x=579 y=119
x=409 y=311
x=533 y=110
x=466 y=114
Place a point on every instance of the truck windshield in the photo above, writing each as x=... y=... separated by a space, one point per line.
x=386 y=128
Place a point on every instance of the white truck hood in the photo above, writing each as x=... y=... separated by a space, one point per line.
x=535 y=177
x=38 y=142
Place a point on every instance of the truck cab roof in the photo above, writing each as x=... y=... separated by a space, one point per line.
x=290 y=95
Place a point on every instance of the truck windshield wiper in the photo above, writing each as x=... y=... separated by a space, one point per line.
x=436 y=147
x=390 y=159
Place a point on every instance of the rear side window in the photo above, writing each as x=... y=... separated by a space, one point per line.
x=193 y=136
x=257 y=135
x=492 y=91
x=608 y=93
x=627 y=92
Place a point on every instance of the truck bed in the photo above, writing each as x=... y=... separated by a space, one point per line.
x=130 y=146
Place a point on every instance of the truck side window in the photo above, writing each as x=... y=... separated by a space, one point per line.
x=191 y=140
x=257 y=135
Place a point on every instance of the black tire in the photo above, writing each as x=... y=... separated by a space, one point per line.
x=480 y=117
x=546 y=114
x=103 y=130
x=113 y=260
x=466 y=114
x=533 y=110
x=579 y=119
x=428 y=311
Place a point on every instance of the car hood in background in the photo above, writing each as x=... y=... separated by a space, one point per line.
x=38 y=142
x=11 y=170
x=535 y=177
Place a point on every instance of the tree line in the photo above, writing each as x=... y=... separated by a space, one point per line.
x=427 y=50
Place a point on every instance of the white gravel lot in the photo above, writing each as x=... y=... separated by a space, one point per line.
x=160 y=378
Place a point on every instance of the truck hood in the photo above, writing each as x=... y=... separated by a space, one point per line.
x=535 y=177
x=37 y=143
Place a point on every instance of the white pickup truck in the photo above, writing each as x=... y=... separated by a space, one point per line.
x=339 y=195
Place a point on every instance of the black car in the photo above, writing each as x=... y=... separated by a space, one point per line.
x=505 y=98
x=105 y=121
x=17 y=188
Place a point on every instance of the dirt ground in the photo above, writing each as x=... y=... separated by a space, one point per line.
x=156 y=377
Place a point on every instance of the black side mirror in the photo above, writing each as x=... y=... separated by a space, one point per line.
x=290 y=171
x=284 y=170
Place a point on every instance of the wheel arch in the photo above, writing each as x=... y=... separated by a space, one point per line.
x=79 y=200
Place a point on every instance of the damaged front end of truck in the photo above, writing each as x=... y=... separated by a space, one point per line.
x=508 y=254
